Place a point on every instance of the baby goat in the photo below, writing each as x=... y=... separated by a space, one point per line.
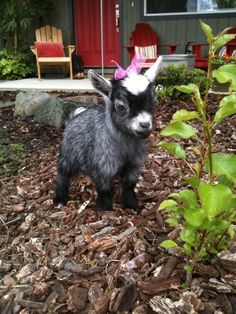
x=108 y=142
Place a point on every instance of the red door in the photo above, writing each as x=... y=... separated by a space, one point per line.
x=88 y=31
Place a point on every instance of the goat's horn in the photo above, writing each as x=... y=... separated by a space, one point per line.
x=152 y=71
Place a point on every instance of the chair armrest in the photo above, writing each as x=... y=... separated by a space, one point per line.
x=34 y=50
x=71 y=48
x=170 y=48
x=197 y=49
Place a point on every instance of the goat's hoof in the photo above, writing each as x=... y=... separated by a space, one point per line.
x=100 y=208
x=131 y=203
x=60 y=200
x=103 y=203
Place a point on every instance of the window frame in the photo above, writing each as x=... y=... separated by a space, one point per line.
x=145 y=15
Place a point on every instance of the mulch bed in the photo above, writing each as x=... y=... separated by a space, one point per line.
x=69 y=259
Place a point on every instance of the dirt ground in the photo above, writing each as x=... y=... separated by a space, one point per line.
x=72 y=260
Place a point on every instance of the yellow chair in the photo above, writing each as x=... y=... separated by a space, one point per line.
x=49 y=50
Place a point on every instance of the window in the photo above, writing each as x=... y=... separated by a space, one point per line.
x=178 y=7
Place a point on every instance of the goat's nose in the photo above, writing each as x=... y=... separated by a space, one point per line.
x=145 y=125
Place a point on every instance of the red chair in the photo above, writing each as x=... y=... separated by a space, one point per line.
x=144 y=41
x=231 y=45
x=201 y=62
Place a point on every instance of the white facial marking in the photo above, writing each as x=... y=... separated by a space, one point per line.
x=142 y=118
x=79 y=110
x=136 y=84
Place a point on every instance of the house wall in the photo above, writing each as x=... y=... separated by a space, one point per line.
x=178 y=30
x=61 y=17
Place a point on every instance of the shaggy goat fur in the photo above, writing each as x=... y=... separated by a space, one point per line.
x=108 y=142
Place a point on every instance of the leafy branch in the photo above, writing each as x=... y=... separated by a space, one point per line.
x=206 y=209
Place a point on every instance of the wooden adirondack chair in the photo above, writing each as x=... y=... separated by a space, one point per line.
x=49 y=50
x=144 y=41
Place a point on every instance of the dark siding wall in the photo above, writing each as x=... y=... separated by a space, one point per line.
x=178 y=31
x=60 y=17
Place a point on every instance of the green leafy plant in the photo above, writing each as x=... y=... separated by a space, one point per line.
x=16 y=17
x=15 y=65
x=172 y=75
x=205 y=210
x=10 y=157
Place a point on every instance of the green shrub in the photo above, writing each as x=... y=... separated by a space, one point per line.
x=206 y=209
x=173 y=75
x=15 y=65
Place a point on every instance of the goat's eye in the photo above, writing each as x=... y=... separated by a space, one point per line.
x=121 y=107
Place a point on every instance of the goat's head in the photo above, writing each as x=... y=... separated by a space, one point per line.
x=131 y=99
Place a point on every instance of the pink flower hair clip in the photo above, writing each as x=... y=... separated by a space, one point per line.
x=133 y=69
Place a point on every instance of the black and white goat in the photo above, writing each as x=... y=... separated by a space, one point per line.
x=108 y=142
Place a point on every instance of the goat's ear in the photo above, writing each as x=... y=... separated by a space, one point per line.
x=100 y=83
x=153 y=70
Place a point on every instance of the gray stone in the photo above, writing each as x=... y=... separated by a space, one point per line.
x=56 y=112
x=6 y=104
x=28 y=103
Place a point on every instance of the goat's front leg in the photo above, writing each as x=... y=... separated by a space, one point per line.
x=104 y=197
x=62 y=187
x=129 y=177
x=62 y=183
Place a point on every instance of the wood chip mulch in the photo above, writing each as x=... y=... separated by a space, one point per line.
x=72 y=260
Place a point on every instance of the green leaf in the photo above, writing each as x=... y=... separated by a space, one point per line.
x=173 y=222
x=188 y=235
x=221 y=226
x=221 y=41
x=194 y=217
x=174 y=148
x=187 y=248
x=207 y=31
x=188 y=197
x=169 y=244
x=226 y=73
x=214 y=198
x=195 y=150
x=225 y=181
x=185 y=115
x=227 y=108
x=231 y=232
x=193 y=181
x=224 y=164
x=167 y=203
x=187 y=89
x=179 y=129
x=188 y=268
x=202 y=254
